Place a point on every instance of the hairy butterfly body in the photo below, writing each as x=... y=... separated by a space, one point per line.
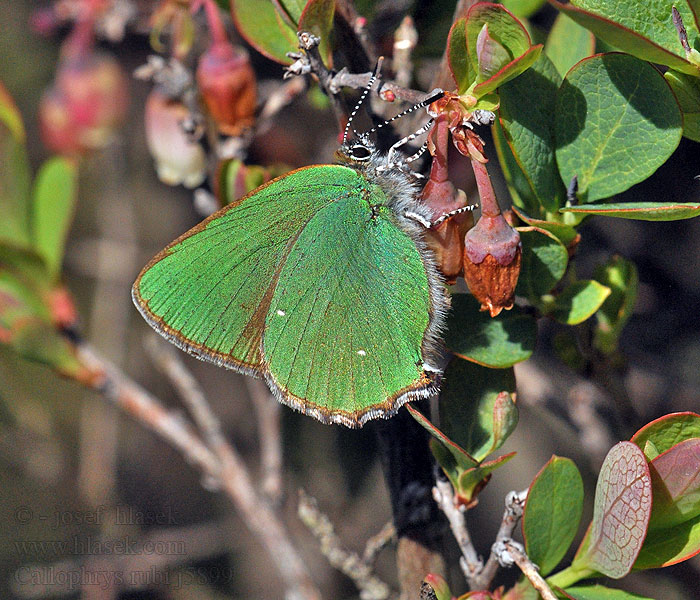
x=319 y=281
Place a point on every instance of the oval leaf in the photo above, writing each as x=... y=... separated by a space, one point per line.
x=544 y=262
x=665 y=547
x=599 y=592
x=317 y=18
x=527 y=105
x=687 y=90
x=14 y=187
x=498 y=342
x=667 y=431
x=616 y=122
x=457 y=55
x=552 y=512
x=644 y=30
x=508 y=71
x=477 y=407
x=568 y=43
x=675 y=476
x=579 y=301
x=54 y=203
x=641 y=211
x=265 y=28
x=620 y=515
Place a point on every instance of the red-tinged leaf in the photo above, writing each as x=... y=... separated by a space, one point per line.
x=461 y=457
x=621 y=513
x=665 y=547
x=667 y=431
x=457 y=56
x=641 y=211
x=492 y=56
x=508 y=72
x=317 y=18
x=565 y=233
x=472 y=481
x=265 y=28
x=675 y=476
x=552 y=512
x=618 y=30
x=439 y=586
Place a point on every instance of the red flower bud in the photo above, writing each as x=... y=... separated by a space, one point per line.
x=86 y=104
x=492 y=251
x=178 y=158
x=227 y=84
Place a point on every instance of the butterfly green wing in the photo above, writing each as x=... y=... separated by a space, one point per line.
x=303 y=282
x=209 y=291
x=345 y=330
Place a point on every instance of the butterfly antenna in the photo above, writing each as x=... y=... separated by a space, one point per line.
x=369 y=85
x=436 y=95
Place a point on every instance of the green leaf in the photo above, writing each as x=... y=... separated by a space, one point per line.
x=687 y=90
x=645 y=31
x=293 y=8
x=519 y=185
x=616 y=122
x=568 y=43
x=265 y=28
x=10 y=116
x=579 y=301
x=523 y=8
x=457 y=55
x=641 y=211
x=544 y=262
x=497 y=342
x=675 y=476
x=26 y=328
x=54 y=203
x=14 y=187
x=471 y=481
x=527 y=105
x=439 y=586
x=620 y=276
x=552 y=512
x=317 y=18
x=667 y=431
x=234 y=179
x=599 y=592
x=665 y=547
x=477 y=407
x=621 y=513
x=566 y=234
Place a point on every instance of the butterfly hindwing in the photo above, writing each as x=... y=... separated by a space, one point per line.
x=344 y=332
x=209 y=291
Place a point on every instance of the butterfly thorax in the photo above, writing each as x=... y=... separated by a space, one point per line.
x=397 y=182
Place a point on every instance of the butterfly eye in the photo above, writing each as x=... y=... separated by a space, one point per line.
x=359 y=152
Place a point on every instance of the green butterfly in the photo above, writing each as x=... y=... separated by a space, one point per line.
x=319 y=281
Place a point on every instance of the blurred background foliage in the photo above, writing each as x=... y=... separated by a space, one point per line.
x=65 y=453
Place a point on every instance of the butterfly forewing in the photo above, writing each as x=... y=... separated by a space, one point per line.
x=345 y=327
x=209 y=291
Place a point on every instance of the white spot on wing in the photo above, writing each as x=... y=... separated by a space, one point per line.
x=362 y=353
x=281 y=313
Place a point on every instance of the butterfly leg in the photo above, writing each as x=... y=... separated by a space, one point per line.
x=421 y=220
x=393 y=151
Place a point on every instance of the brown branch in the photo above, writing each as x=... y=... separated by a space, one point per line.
x=470 y=562
x=510 y=552
x=515 y=502
x=348 y=563
x=217 y=459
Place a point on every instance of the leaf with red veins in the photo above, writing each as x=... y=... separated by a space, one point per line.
x=623 y=500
